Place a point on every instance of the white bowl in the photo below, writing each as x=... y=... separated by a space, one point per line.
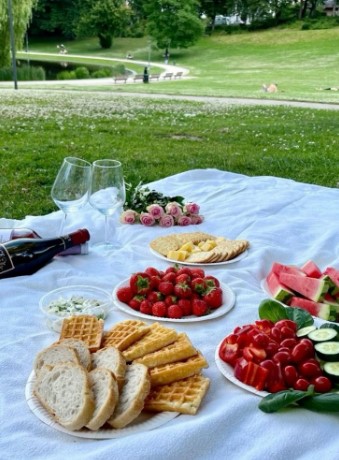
x=74 y=300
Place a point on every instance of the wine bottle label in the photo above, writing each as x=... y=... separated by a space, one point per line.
x=6 y=264
x=5 y=234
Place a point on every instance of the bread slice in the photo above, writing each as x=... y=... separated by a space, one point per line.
x=55 y=354
x=181 y=349
x=131 y=401
x=81 y=350
x=64 y=390
x=111 y=358
x=168 y=373
x=106 y=394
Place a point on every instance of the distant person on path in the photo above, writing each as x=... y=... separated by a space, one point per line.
x=62 y=49
x=272 y=88
x=146 y=76
x=166 y=56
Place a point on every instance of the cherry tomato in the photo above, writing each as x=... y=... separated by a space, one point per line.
x=290 y=374
x=286 y=323
x=322 y=384
x=276 y=333
x=261 y=340
x=272 y=368
x=289 y=343
x=308 y=343
x=300 y=352
x=282 y=357
x=284 y=349
x=301 y=384
x=287 y=332
x=309 y=369
x=272 y=348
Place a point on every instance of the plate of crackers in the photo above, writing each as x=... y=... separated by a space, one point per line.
x=199 y=248
x=102 y=383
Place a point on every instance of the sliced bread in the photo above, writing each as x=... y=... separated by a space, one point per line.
x=55 y=354
x=106 y=393
x=111 y=359
x=81 y=350
x=134 y=392
x=64 y=390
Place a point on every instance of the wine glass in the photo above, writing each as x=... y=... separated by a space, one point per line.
x=70 y=190
x=107 y=191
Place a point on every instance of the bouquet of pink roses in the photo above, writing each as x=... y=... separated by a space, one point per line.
x=149 y=207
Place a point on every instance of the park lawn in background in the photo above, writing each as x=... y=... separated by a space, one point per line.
x=154 y=139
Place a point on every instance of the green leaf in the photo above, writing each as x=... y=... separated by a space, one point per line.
x=272 y=310
x=276 y=401
x=301 y=317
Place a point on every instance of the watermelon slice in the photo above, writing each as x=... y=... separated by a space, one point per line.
x=311 y=288
x=321 y=310
x=311 y=269
x=278 y=291
x=333 y=274
x=280 y=268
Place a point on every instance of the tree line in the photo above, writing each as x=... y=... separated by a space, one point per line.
x=168 y=23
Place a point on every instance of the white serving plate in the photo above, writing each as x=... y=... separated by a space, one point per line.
x=144 y=422
x=228 y=304
x=194 y=264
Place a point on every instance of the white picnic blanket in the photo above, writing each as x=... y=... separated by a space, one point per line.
x=284 y=221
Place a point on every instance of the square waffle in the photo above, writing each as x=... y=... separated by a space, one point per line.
x=157 y=337
x=168 y=373
x=87 y=328
x=181 y=349
x=184 y=396
x=125 y=333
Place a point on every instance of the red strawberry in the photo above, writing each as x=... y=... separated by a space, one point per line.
x=146 y=307
x=124 y=294
x=213 y=297
x=170 y=270
x=159 y=309
x=185 y=270
x=166 y=288
x=135 y=302
x=182 y=290
x=170 y=300
x=199 y=307
x=175 y=312
x=212 y=281
x=140 y=283
x=199 y=285
x=197 y=273
x=154 y=296
x=183 y=278
x=151 y=271
x=169 y=277
x=186 y=306
x=155 y=280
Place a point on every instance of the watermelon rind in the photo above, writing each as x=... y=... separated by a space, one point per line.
x=277 y=290
x=311 y=288
x=321 y=310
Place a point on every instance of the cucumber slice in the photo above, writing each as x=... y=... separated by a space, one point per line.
x=323 y=335
x=334 y=326
x=304 y=331
x=332 y=371
x=327 y=351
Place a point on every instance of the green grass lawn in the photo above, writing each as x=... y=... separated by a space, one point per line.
x=158 y=138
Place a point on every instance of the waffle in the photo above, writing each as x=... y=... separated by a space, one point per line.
x=184 y=396
x=87 y=328
x=181 y=349
x=168 y=373
x=124 y=334
x=157 y=337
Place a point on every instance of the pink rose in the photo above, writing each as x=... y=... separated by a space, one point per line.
x=197 y=219
x=155 y=210
x=147 y=219
x=166 y=221
x=184 y=220
x=129 y=217
x=191 y=208
x=174 y=209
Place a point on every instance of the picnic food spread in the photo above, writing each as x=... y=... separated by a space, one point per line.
x=90 y=377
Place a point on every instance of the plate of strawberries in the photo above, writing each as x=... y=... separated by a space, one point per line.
x=179 y=294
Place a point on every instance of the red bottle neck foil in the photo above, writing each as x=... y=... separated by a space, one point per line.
x=80 y=236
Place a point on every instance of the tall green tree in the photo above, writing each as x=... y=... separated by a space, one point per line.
x=103 y=18
x=173 y=23
x=22 y=12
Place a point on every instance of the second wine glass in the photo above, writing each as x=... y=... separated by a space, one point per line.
x=70 y=190
x=107 y=192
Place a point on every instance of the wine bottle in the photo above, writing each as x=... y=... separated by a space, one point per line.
x=25 y=256
x=7 y=234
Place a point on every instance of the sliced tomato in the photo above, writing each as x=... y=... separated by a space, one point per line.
x=229 y=352
x=254 y=354
x=251 y=373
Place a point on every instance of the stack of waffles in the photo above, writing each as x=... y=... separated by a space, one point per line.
x=154 y=369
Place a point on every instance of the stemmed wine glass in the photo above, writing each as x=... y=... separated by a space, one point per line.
x=70 y=190
x=107 y=192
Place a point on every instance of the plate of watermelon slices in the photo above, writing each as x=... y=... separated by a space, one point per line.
x=307 y=287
